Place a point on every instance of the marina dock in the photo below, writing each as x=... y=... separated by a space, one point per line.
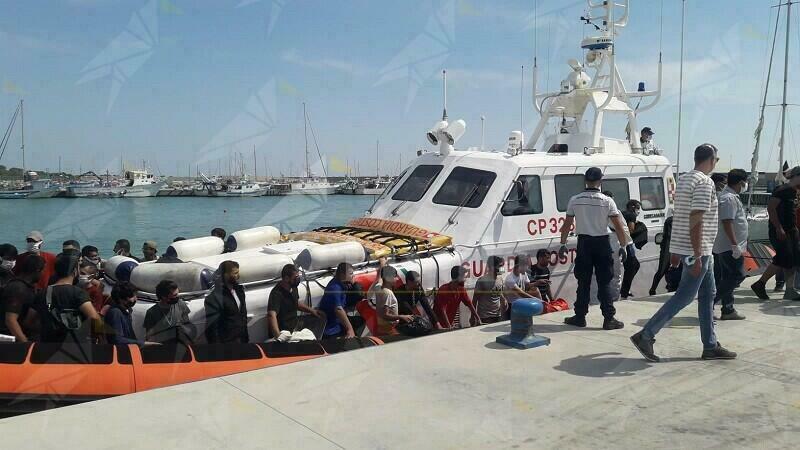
x=588 y=389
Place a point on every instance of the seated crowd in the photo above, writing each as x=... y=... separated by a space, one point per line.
x=60 y=298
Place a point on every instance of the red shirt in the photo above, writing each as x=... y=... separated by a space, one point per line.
x=47 y=272
x=448 y=299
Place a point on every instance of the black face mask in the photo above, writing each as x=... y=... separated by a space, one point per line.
x=296 y=283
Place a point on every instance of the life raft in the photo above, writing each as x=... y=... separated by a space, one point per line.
x=38 y=376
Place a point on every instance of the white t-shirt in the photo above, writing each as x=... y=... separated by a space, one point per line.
x=512 y=280
x=236 y=299
x=591 y=210
x=384 y=298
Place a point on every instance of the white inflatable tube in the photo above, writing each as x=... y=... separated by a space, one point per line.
x=118 y=268
x=253 y=265
x=190 y=249
x=252 y=238
x=330 y=255
x=189 y=276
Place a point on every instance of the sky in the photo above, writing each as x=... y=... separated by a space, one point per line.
x=180 y=85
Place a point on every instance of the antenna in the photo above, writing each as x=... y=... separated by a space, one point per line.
x=522 y=98
x=680 y=85
x=444 y=89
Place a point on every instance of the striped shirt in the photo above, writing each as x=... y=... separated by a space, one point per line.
x=695 y=192
x=591 y=211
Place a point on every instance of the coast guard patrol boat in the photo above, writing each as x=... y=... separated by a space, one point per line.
x=452 y=207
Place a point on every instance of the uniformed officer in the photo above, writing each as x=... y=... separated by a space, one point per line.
x=590 y=211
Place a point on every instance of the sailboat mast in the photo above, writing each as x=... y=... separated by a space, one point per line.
x=377 y=161
x=255 y=165
x=22 y=131
x=305 y=135
x=779 y=175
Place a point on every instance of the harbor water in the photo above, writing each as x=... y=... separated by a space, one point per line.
x=100 y=222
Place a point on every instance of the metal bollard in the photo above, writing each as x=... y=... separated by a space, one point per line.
x=522 y=312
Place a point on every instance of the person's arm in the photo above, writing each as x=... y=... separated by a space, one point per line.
x=772 y=209
x=88 y=311
x=619 y=230
x=521 y=292
x=272 y=324
x=441 y=314
x=308 y=310
x=212 y=319
x=727 y=225
x=341 y=315
x=568 y=221
x=475 y=320
x=186 y=325
x=12 y=323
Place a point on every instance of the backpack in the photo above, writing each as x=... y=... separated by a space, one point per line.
x=639 y=236
x=63 y=319
x=419 y=326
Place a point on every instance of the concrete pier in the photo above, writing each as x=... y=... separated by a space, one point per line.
x=588 y=389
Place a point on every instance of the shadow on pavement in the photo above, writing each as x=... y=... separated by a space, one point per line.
x=780 y=307
x=601 y=365
x=676 y=322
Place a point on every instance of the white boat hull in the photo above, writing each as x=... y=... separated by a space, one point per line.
x=312 y=190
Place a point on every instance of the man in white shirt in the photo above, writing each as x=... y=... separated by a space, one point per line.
x=590 y=212
x=517 y=283
x=694 y=230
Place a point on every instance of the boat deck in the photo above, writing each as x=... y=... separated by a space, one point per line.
x=589 y=389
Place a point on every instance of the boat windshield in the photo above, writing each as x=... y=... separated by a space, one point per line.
x=417 y=183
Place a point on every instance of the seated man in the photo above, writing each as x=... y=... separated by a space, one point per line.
x=540 y=274
x=89 y=282
x=119 y=326
x=284 y=302
x=386 y=306
x=449 y=299
x=226 y=307
x=517 y=284
x=411 y=295
x=334 y=305
x=167 y=322
x=488 y=296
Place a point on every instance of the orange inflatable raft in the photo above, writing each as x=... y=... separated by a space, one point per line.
x=36 y=376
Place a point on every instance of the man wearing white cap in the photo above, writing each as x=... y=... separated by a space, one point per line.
x=34 y=243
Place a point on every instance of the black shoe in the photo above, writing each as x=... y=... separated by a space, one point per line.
x=626 y=296
x=719 y=352
x=760 y=290
x=576 y=321
x=645 y=347
x=652 y=292
x=779 y=286
x=612 y=324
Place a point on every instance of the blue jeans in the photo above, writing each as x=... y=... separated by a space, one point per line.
x=690 y=286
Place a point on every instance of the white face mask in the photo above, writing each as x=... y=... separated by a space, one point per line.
x=35 y=247
x=745 y=187
x=8 y=264
x=83 y=281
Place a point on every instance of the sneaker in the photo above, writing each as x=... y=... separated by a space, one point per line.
x=612 y=324
x=645 y=347
x=760 y=290
x=576 y=321
x=652 y=292
x=733 y=315
x=779 y=286
x=791 y=294
x=719 y=352
x=627 y=296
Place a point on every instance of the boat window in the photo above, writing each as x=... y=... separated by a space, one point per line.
x=417 y=183
x=651 y=193
x=393 y=183
x=566 y=187
x=531 y=201
x=465 y=187
x=559 y=148
x=619 y=190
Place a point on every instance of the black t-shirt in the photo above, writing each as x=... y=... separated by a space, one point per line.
x=787 y=207
x=541 y=273
x=16 y=297
x=168 y=324
x=629 y=216
x=284 y=303
x=64 y=297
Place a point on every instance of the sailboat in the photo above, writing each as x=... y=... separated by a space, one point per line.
x=310 y=184
x=759 y=218
x=33 y=186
